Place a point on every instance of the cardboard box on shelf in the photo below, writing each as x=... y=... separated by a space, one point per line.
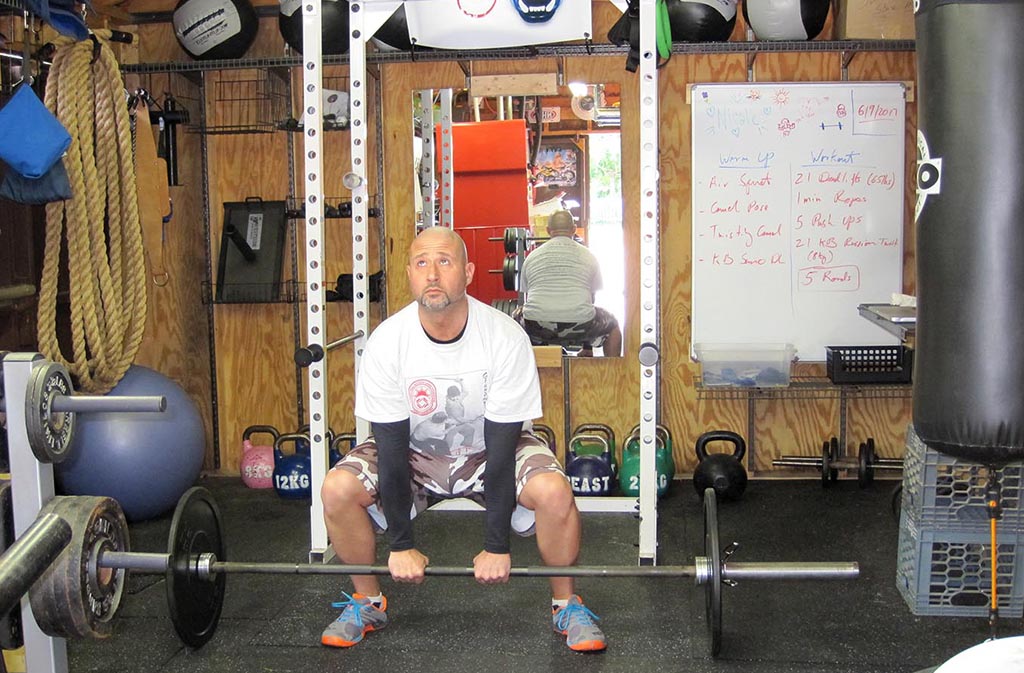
x=874 y=20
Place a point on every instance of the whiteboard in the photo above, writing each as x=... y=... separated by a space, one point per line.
x=797 y=202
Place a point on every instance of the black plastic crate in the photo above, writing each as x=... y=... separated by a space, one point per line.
x=869 y=364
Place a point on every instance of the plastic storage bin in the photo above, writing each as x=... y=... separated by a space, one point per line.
x=948 y=573
x=749 y=365
x=947 y=493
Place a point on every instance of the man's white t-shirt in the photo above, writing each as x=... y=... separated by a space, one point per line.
x=489 y=372
x=560 y=279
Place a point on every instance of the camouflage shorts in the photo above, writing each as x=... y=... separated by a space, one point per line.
x=435 y=478
x=591 y=332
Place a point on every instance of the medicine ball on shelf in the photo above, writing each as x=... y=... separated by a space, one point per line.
x=334 y=30
x=215 y=29
x=701 y=20
x=144 y=460
x=786 y=19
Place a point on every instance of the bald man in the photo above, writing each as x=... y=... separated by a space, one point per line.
x=410 y=362
x=560 y=279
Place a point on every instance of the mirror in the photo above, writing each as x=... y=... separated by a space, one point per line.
x=511 y=171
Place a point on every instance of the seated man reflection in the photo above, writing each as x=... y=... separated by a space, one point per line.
x=559 y=280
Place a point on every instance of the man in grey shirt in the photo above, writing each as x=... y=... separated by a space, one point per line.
x=559 y=280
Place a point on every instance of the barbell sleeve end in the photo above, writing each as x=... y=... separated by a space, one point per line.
x=94 y=404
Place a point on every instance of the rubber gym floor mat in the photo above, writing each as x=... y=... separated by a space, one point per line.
x=272 y=623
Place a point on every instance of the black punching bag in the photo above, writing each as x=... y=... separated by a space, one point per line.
x=969 y=364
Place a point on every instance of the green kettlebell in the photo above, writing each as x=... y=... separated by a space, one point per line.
x=629 y=473
x=664 y=451
x=585 y=448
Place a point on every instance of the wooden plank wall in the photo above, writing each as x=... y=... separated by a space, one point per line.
x=254 y=343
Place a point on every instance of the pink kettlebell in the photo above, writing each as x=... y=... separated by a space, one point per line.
x=257 y=466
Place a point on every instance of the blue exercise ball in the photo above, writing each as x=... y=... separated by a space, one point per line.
x=144 y=460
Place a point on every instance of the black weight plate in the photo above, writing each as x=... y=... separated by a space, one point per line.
x=74 y=598
x=833 y=452
x=865 y=464
x=194 y=602
x=49 y=432
x=508 y=274
x=510 y=241
x=713 y=589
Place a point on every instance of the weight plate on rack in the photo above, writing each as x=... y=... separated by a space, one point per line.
x=49 y=432
x=713 y=590
x=195 y=602
x=510 y=240
x=509 y=281
x=75 y=598
x=866 y=463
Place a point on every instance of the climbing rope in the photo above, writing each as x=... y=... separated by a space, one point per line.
x=100 y=223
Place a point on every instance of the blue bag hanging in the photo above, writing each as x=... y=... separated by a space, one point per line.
x=31 y=138
x=54 y=186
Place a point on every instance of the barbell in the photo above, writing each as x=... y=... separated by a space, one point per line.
x=830 y=463
x=80 y=593
x=50 y=409
x=307 y=355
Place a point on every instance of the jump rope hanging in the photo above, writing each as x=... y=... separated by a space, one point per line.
x=100 y=223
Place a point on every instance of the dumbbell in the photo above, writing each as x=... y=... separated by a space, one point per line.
x=830 y=464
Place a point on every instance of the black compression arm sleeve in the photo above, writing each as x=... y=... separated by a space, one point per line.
x=501 y=440
x=393 y=480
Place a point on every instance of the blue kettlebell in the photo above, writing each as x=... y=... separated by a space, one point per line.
x=292 y=472
x=346 y=441
x=590 y=474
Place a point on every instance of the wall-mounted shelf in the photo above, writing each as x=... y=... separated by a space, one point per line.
x=805 y=388
x=809 y=387
x=836 y=46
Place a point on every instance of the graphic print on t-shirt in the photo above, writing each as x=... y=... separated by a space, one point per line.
x=447 y=413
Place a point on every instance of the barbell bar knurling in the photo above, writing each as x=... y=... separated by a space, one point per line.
x=207 y=564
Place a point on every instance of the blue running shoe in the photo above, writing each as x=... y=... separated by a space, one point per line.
x=578 y=624
x=358 y=617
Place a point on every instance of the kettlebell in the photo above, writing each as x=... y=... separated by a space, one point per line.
x=292 y=472
x=548 y=435
x=589 y=474
x=721 y=471
x=664 y=456
x=346 y=440
x=608 y=434
x=629 y=473
x=257 y=464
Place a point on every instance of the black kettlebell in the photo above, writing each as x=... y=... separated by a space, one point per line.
x=721 y=471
